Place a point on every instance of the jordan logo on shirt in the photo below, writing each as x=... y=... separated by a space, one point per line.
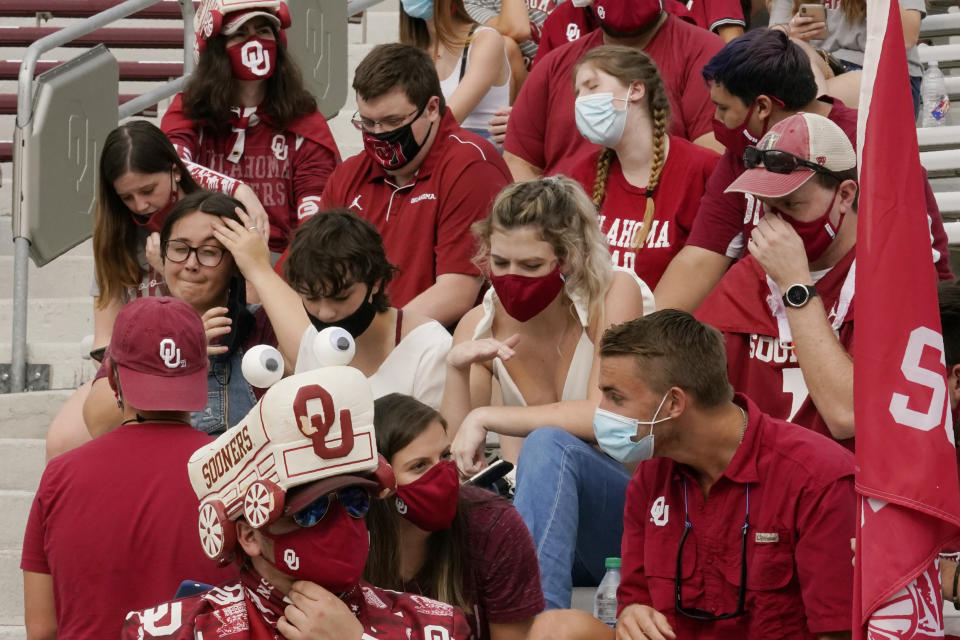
x=356 y=203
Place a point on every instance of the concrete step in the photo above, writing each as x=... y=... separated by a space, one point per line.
x=68 y=366
x=13 y=632
x=15 y=507
x=21 y=463
x=68 y=275
x=28 y=415
x=53 y=319
x=11 y=588
x=85 y=248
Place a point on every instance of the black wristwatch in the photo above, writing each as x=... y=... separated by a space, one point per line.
x=798 y=295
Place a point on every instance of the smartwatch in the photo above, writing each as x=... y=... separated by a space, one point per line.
x=798 y=295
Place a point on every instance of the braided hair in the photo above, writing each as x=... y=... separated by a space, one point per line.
x=629 y=65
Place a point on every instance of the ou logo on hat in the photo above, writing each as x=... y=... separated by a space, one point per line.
x=601 y=13
x=255 y=57
x=169 y=353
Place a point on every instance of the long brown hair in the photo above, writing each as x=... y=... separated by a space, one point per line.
x=398 y=420
x=447 y=14
x=629 y=65
x=208 y=96
x=134 y=146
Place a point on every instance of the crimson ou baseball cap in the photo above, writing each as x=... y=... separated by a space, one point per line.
x=812 y=139
x=160 y=349
x=233 y=21
x=626 y=16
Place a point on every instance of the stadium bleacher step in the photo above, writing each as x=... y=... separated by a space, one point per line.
x=61 y=319
x=12 y=633
x=27 y=415
x=11 y=588
x=69 y=275
x=22 y=462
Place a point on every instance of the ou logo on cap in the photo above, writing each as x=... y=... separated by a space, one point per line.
x=601 y=13
x=169 y=353
x=255 y=57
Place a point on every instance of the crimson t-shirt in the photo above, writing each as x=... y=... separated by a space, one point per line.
x=425 y=224
x=759 y=364
x=542 y=129
x=801 y=512
x=287 y=169
x=725 y=220
x=115 y=523
x=676 y=201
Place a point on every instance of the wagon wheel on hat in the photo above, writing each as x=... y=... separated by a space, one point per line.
x=217 y=534
x=263 y=503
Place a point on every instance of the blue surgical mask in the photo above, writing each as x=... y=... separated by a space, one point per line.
x=615 y=434
x=422 y=9
x=598 y=120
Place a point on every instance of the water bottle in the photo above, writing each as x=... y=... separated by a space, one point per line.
x=936 y=100
x=605 y=602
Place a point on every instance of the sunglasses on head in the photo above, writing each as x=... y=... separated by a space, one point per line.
x=355 y=500
x=777 y=161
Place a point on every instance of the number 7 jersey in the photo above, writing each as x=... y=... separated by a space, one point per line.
x=761 y=362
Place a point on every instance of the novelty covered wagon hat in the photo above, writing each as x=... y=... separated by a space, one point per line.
x=309 y=435
x=225 y=17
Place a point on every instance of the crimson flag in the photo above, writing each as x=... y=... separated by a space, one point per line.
x=906 y=473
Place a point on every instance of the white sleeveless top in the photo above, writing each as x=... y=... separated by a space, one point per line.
x=578 y=375
x=498 y=95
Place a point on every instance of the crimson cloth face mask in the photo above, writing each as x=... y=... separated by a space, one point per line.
x=332 y=554
x=524 y=297
x=253 y=59
x=817 y=235
x=430 y=501
x=395 y=149
x=736 y=140
x=154 y=222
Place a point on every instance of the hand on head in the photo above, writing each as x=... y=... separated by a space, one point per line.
x=244 y=241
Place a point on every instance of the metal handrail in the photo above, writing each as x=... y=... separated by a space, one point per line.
x=18 y=347
x=356 y=6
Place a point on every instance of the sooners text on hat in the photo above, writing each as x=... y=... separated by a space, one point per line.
x=160 y=349
x=314 y=428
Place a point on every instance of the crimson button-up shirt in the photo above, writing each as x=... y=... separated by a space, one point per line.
x=802 y=514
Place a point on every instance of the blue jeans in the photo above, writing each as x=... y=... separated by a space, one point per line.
x=229 y=396
x=571 y=498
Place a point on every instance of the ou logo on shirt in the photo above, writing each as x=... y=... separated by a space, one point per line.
x=291 y=559
x=573 y=31
x=255 y=57
x=660 y=512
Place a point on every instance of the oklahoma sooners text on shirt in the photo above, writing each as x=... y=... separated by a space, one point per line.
x=677 y=199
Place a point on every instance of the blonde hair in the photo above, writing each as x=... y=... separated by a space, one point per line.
x=559 y=208
x=629 y=65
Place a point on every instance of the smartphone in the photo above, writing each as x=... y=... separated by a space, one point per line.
x=491 y=474
x=815 y=11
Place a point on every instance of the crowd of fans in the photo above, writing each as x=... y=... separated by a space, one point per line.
x=611 y=241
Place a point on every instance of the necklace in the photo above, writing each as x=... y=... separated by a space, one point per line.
x=743 y=429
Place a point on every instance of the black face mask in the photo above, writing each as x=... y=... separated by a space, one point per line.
x=355 y=323
x=395 y=149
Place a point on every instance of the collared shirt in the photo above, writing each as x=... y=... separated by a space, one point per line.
x=801 y=519
x=425 y=223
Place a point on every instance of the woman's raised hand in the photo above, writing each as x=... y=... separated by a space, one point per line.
x=216 y=324
x=244 y=242
x=467 y=353
x=468 y=445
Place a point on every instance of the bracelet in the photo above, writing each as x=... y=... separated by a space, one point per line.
x=956 y=577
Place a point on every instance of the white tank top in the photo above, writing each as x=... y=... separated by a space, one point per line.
x=498 y=95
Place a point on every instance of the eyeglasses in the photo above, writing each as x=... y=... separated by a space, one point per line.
x=777 y=161
x=355 y=501
x=700 y=614
x=388 y=123
x=208 y=255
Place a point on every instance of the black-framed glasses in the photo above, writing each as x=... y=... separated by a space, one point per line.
x=208 y=255
x=355 y=501
x=778 y=161
x=700 y=614
x=388 y=123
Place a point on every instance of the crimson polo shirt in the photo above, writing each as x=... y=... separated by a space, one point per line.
x=425 y=224
x=542 y=129
x=801 y=518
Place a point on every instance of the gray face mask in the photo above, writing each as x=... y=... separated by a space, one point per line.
x=615 y=434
